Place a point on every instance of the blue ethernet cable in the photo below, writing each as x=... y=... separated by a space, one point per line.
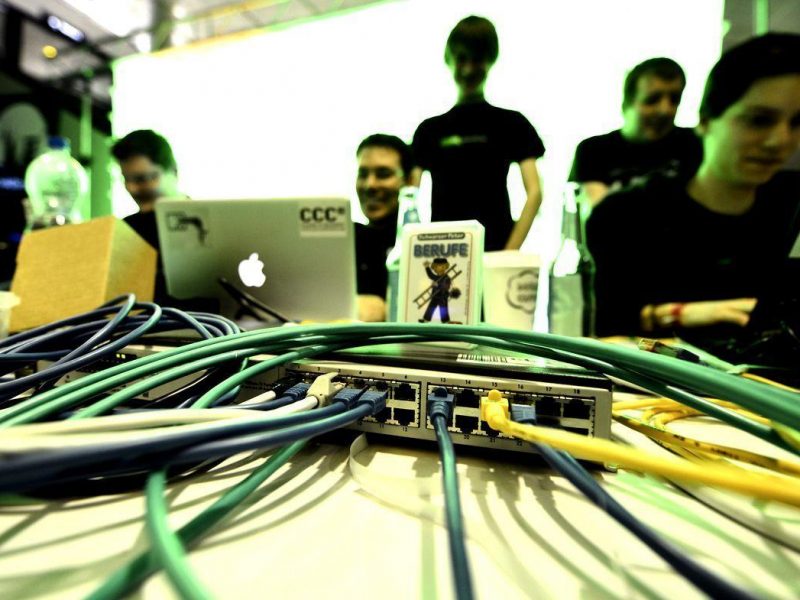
x=290 y=395
x=100 y=336
x=280 y=437
x=8 y=389
x=18 y=338
x=99 y=332
x=167 y=546
x=577 y=475
x=24 y=351
x=215 y=441
x=40 y=468
x=440 y=410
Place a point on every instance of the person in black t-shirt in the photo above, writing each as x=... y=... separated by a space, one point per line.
x=672 y=254
x=469 y=149
x=384 y=165
x=648 y=141
x=150 y=172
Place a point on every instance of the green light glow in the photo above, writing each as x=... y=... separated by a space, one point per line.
x=280 y=113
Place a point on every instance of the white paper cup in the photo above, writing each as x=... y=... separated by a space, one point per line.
x=510 y=281
x=8 y=300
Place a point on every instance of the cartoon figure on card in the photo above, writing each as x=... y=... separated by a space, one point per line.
x=440 y=291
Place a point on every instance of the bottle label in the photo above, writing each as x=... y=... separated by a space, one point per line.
x=392 y=292
x=565 y=310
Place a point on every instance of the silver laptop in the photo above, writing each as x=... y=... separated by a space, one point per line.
x=296 y=255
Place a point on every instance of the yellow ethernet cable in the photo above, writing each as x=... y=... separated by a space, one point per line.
x=674 y=439
x=494 y=409
x=661 y=411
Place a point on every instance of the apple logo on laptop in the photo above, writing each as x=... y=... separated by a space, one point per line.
x=251 y=271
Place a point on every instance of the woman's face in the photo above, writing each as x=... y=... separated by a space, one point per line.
x=756 y=135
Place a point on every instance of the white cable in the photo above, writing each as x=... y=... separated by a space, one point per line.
x=265 y=397
x=307 y=403
x=20 y=444
x=133 y=420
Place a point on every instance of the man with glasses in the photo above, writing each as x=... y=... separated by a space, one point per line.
x=150 y=172
x=648 y=141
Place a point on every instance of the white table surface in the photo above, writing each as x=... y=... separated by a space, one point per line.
x=331 y=526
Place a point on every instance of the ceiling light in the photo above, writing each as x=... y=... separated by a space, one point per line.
x=49 y=51
x=63 y=27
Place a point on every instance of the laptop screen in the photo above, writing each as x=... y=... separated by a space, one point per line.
x=296 y=255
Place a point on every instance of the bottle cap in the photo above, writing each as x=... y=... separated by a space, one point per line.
x=57 y=142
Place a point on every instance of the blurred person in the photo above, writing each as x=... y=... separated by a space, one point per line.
x=150 y=172
x=691 y=257
x=469 y=149
x=384 y=166
x=648 y=141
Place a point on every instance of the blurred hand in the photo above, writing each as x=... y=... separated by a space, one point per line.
x=736 y=311
x=371 y=308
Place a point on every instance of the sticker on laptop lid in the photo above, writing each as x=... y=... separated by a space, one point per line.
x=321 y=219
x=187 y=227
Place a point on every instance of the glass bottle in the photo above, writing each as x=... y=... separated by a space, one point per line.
x=55 y=183
x=571 y=308
x=407 y=212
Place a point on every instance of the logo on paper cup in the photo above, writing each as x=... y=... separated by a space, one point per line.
x=521 y=290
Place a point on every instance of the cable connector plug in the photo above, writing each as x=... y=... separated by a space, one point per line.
x=283 y=384
x=440 y=403
x=348 y=396
x=376 y=399
x=494 y=398
x=522 y=413
x=323 y=388
x=297 y=391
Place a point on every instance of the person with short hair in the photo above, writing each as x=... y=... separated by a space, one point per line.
x=469 y=149
x=648 y=141
x=384 y=165
x=150 y=172
x=674 y=255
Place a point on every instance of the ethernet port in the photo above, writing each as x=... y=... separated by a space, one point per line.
x=404 y=416
x=404 y=392
x=381 y=386
x=547 y=407
x=521 y=399
x=547 y=421
x=577 y=409
x=488 y=430
x=384 y=415
x=358 y=383
x=468 y=399
x=466 y=424
x=578 y=430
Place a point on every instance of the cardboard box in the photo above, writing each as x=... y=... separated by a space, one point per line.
x=63 y=271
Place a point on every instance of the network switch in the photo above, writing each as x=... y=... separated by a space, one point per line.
x=572 y=399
